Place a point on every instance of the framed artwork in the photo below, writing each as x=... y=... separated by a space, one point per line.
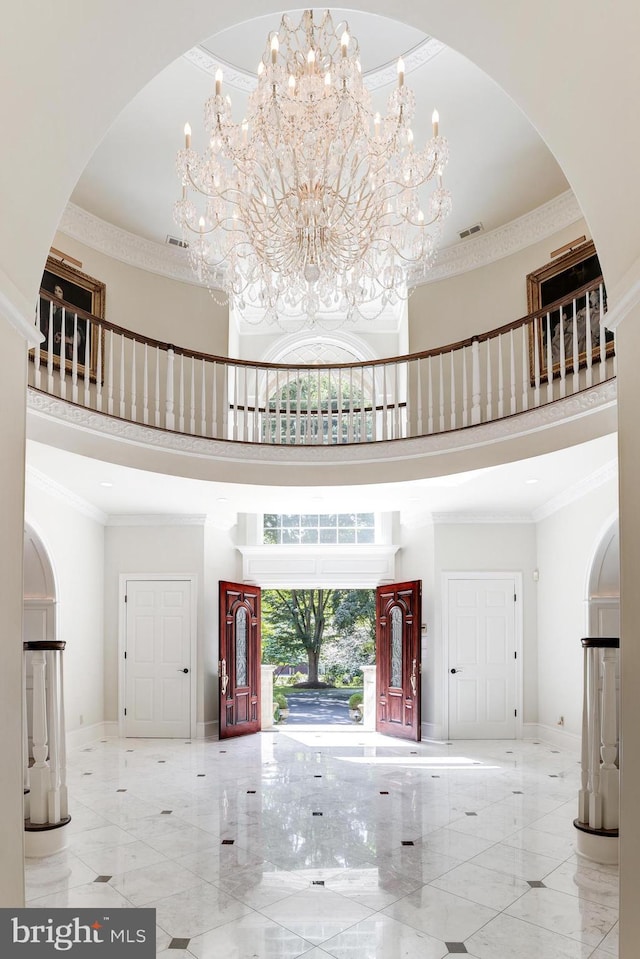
x=82 y=293
x=559 y=280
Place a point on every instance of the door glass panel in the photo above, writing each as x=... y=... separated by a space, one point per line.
x=396 y=647
x=241 y=647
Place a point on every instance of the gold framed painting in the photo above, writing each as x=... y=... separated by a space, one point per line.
x=559 y=280
x=61 y=327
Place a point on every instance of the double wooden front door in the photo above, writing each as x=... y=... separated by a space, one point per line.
x=239 y=662
x=398 y=648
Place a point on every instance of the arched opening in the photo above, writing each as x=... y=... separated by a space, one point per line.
x=603 y=594
x=39 y=621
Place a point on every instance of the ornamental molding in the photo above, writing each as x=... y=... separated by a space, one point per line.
x=586 y=485
x=471 y=254
x=156 y=519
x=352 y=567
x=45 y=484
x=570 y=409
x=470 y=516
x=246 y=81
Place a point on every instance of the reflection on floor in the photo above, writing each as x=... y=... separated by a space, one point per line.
x=338 y=844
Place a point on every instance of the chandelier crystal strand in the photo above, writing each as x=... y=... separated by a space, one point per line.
x=311 y=205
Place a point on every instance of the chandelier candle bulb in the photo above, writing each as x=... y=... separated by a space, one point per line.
x=376 y=126
x=292 y=83
x=435 y=120
x=400 y=72
x=187 y=136
x=344 y=44
x=218 y=82
x=275 y=46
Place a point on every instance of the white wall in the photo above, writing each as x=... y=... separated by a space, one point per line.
x=75 y=545
x=480 y=300
x=144 y=302
x=567 y=541
x=146 y=549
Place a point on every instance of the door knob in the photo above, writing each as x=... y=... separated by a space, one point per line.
x=454 y=670
x=185 y=670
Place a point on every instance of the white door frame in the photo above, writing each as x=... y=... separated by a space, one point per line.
x=449 y=577
x=125 y=578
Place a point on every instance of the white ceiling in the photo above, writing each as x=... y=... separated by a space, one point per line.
x=500 y=490
x=499 y=169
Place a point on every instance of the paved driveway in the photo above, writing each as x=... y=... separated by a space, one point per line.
x=319 y=706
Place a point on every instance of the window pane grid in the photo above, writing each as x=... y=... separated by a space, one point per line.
x=318 y=528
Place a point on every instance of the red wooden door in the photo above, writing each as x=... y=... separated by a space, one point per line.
x=239 y=663
x=398 y=628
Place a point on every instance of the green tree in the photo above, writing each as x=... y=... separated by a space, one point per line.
x=296 y=622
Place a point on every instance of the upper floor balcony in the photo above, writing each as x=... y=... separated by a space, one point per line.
x=548 y=376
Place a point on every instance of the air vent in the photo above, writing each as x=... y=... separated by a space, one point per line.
x=176 y=241
x=476 y=228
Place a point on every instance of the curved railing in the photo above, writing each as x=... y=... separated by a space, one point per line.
x=523 y=365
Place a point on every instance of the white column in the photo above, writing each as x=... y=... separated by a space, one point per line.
x=609 y=774
x=40 y=775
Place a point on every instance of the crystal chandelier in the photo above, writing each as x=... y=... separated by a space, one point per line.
x=312 y=204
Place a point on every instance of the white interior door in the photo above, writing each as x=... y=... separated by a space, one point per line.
x=482 y=658
x=158 y=659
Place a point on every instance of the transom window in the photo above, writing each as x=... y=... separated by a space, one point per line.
x=314 y=528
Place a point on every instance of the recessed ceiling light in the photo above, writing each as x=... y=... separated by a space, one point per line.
x=531 y=481
x=222 y=499
x=106 y=484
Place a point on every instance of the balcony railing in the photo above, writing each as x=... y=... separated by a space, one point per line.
x=523 y=365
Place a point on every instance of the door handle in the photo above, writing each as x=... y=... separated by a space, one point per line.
x=454 y=670
x=185 y=670
x=224 y=679
x=414 y=681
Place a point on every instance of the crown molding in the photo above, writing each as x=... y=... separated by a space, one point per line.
x=586 y=485
x=471 y=254
x=45 y=484
x=156 y=519
x=246 y=81
x=470 y=516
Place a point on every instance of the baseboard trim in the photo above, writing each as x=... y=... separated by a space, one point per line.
x=208 y=730
x=89 y=734
x=433 y=732
x=555 y=735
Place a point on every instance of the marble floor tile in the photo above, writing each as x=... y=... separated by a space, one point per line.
x=220 y=838
x=440 y=914
x=573 y=917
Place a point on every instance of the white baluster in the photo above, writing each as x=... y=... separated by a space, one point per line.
x=430 y=399
x=512 y=371
x=287 y=410
x=339 y=418
x=418 y=364
x=203 y=397
x=489 y=384
x=145 y=385
x=25 y=735
x=74 y=360
x=192 y=408
x=276 y=415
x=595 y=796
x=62 y=740
x=536 y=362
x=122 y=379
x=609 y=773
x=476 y=411
x=157 y=388
x=525 y=362
x=181 y=395
x=385 y=423
x=134 y=384
x=214 y=400
x=50 y=350
x=351 y=430
x=110 y=375
x=603 y=336
x=309 y=416
x=256 y=414
x=583 y=794
x=588 y=339
x=226 y=424
x=36 y=351
x=576 y=355
x=86 y=373
x=53 y=796
x=169 y=417
x=40 y=777
x=372 y=401
x=453 y=393
x=500 y=379
x=563 y=358
x=549 y=361
x=465 y=387
x=62 y=354
x=99 y=376
x=441 y=392
x=397 y=399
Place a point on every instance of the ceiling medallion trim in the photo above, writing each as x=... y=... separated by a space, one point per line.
x=596 y=399
x=471 y=254
x=246 y=81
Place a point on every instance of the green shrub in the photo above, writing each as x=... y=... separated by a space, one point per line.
x=279 y=699
x=355 y=700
